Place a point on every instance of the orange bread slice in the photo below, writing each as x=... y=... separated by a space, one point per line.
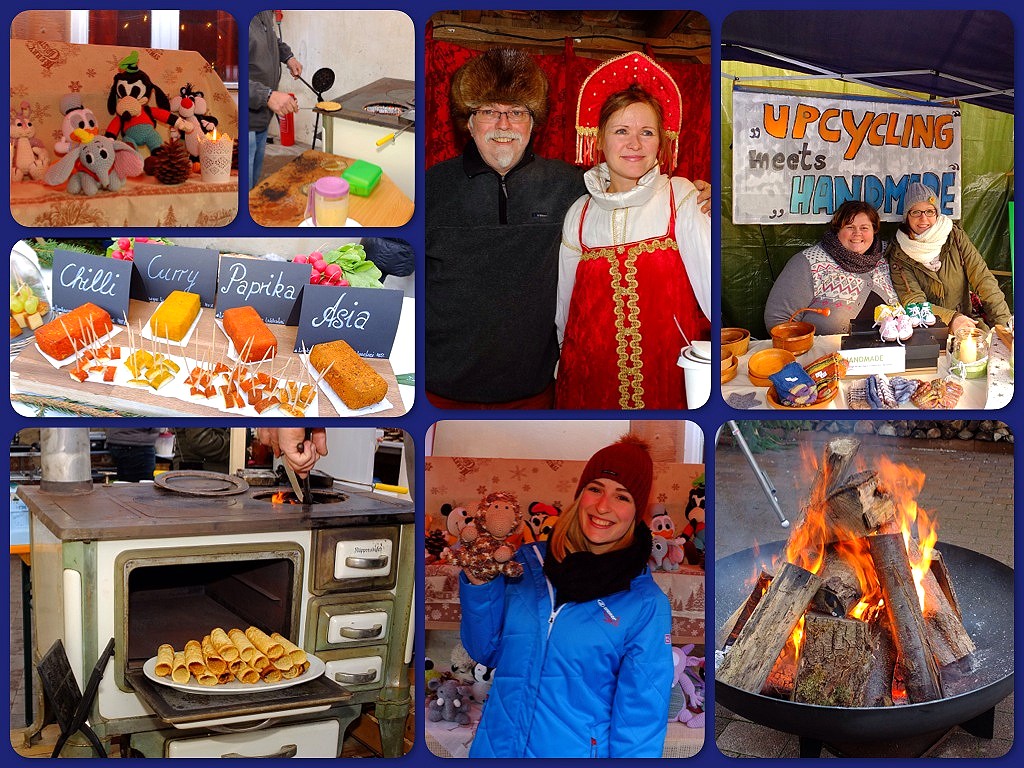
x=73 y=330
x=244 y=323
x=356 y=383
x=175 y=315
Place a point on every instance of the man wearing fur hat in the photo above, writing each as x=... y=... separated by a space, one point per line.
x=493 y=226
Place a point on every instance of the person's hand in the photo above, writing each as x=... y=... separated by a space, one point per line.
x=703 y=195
x=290 y=442
x=961 y=321
x=282 y=103
x=294 y=67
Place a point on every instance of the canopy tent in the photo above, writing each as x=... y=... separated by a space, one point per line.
x=811 y=50
x=966 y=55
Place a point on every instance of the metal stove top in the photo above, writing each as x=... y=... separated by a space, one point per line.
x=386 y=90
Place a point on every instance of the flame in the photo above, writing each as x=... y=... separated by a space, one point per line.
x=904 y=484
x=281 y=497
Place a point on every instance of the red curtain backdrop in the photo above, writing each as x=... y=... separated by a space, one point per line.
x=557 y=137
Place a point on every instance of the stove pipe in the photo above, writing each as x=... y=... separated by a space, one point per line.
x=67 y=467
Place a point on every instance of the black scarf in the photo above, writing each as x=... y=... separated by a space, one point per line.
x=585 y=576
x=847 y=259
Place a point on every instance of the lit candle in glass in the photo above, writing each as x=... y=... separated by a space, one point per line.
x=968 y=352
x=215 y=157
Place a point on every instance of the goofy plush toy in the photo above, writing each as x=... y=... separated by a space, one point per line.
x=137 y=104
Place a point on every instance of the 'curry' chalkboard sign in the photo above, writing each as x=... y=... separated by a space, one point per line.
x=167 y=268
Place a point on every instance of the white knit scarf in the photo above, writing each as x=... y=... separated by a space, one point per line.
x=925 y=248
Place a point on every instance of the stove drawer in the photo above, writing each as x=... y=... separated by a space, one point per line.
x=348 y=624
x=357 y=669
x=314 y=739
x=354 y=559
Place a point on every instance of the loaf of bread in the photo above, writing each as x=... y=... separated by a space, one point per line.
x=62 y=336
x=175 y=315
x=351 y=377
x=247 y=331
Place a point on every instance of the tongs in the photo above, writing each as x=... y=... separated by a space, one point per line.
x=300 y=487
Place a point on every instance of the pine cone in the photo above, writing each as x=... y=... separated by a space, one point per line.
x=172 y=163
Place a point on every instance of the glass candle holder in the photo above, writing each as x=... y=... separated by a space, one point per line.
x=968 y=350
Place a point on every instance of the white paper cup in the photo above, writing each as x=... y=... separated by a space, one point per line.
x=696 y=379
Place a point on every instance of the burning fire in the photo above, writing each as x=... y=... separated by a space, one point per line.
x=281 y=497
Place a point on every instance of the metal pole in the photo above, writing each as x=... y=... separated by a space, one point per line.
x=762 y=478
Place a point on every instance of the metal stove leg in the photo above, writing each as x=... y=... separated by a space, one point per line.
x=810 y=747
x=983 y=726
x=391 y=717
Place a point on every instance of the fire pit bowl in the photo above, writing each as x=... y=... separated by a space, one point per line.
x=985 y=590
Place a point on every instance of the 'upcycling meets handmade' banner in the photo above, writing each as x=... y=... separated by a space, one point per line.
x=798 y=155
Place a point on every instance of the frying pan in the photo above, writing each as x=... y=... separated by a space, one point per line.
x=323 y=80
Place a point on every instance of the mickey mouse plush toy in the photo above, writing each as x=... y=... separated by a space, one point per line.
x=137 y=104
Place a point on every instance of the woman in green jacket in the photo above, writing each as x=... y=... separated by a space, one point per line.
x=933 y=260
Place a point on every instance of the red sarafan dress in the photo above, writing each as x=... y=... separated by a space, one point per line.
x=621 y=343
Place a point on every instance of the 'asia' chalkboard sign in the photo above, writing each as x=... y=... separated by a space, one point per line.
x=82 y=277
x=367 y=318
x=168 y=268
x=270 y=287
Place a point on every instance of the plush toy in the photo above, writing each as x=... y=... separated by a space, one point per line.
x=487 y=543
x=693 y=532
x=434 y=545
x=540 y=521
x=462 y=664
x=77 y=116
x=455 y=519
x=29 y=157
x=666 y=554
x=450 y=702
x=686 y=702
x=661 y=523
x=430 y=671
x=190 y=107
x=137 y=104
x=94 y=163
x=483 y=676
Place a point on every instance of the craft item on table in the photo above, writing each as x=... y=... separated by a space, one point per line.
x=937 y=393
x=246 y=329
x=215 y=157
x=540 y=521
x=903 y=388
x=190 y=107
x=857 y=396
x=921 y=314
x=175 y=315
x=137 y=104
x=29 y=157
x=77 y=116
x=692 y=534
x=879 y=392
x=487 y=548
x=893 y=323
x=686 y=700
x=172 y=165
x=666 y=554
x=743 y=401
x=63 y=336
x=351 y=377
x=793 y=386
x=94 y=163
x=827 y=368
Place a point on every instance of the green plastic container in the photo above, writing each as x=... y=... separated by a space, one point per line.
x=362 y=177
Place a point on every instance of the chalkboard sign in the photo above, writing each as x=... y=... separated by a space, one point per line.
x=272 y=288
x=168 y=268
x=82 y=277
x=367 y=318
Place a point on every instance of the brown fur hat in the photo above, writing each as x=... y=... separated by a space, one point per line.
x=500 y=76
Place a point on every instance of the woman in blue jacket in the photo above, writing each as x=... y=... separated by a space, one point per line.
x=581 y=641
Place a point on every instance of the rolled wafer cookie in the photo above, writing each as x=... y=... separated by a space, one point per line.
x=179 y=668
x=245 y=648
x=194 y=658
x=261 y=640
x=247 y=675
x=298 y=655
x=214 y=661
x=164 y=660
x=223 y=644
x=271 y=674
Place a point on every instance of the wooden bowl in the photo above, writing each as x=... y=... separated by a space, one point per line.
x=795 y=336
x=730 y=364
x=763 y=364
x=735 y=341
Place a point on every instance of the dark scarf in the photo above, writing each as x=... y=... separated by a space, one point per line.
x=847 y=259
x=585 y=576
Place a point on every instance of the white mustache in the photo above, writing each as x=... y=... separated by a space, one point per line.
x=500 y=134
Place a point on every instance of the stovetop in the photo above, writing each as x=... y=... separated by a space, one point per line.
x=141 y=510
x=386 y=90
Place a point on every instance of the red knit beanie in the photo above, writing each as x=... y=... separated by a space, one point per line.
x=627 y=462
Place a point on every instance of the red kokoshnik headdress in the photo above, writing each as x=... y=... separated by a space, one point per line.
x=616 y=75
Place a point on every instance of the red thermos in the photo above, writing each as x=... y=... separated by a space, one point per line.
x=288 y=127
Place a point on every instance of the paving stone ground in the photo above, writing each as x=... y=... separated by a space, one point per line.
x=969 y=488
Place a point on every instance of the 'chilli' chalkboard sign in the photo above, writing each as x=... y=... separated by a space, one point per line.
x=270 y=287
x=82 y=277
x=367 y=318
x=167 y=268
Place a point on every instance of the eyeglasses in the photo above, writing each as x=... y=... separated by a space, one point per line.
x=931 y=213
x=494 y=115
